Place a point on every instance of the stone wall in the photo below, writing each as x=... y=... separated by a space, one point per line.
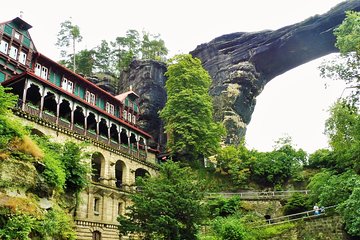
x=110 y=200
x=321 y=228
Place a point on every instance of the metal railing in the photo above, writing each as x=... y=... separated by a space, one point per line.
x=259 y=194
x=295 y=217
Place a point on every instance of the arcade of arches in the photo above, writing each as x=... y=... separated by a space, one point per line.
x=66 y=112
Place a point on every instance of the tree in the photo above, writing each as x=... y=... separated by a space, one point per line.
x=188 y=113
x=84 y=60
x=347 y=66
x=152 y=47
x=126 y=49
x=168 y=206
x=69 y=34
x=343 y=130
x=103 y=57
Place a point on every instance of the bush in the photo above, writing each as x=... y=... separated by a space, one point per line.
x=296 y=203
x=223 y=207
x=229 y=228
x=17 y=227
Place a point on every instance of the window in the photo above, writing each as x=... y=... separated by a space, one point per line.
x=96 y=206
x=67 y=85
x=129 y=117
x=90 y=97
x=4 y=46
x=22 y=57
x=125 y=114
x=134 y=119
x=109 y=108
x=17 y=35
x=37 y=69
x=96 y=235
x=44 y=72
x=13 y=52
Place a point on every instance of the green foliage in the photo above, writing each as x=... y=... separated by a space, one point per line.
x=272 y=231
x=69 y=34
x=350 y=211
x=348 y=33
x=10 y=128
x=152 y=47
x=56 y=224
x=343 y=130
x=230 y=228
x=188 y=113
x=64 y=165
x=75 y=168
x=297 y=203
x=328 y=189
x=17 y=227
x=277 y=167
x=223 y=207
x=346 y=66
x=7 y=100
x=103 y=56
x=321 y=158
x=167 y=206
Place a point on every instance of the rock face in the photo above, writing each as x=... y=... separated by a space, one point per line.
x=241 y=64
x=147 y=80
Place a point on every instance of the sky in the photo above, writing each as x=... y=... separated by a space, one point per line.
x=294 y=104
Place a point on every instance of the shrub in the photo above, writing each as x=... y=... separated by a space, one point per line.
x=296 y=203
x=229 y=228
x=223 y=207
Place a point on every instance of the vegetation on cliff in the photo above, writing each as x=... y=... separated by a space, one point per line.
x=188 y=112
x=33 y=170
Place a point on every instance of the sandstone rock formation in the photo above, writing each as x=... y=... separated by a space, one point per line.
x=241 y=64
x=147 y=79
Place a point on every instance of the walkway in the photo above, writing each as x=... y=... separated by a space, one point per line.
x=259 y=195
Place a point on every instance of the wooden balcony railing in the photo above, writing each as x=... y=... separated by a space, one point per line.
x=50 y=117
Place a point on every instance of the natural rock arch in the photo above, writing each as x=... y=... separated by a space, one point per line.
x=240 y=65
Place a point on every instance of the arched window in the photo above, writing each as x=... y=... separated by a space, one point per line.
x=96 y=235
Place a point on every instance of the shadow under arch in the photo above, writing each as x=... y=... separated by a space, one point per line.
x=97 y=166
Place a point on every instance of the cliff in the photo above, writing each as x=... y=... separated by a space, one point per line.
x=241 y=64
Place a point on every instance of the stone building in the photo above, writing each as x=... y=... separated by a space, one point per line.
x=64 y=105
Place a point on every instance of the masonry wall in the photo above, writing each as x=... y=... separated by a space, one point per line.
x=321 y=228
x=111 y=200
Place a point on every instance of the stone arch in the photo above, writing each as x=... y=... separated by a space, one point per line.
x=133 y=141
x=33 y=95
x=50 y=104
x=120 y=173
x=96 y=235
x=97 y=166
x=140 y=172
x=114 y=133
x=79 y=116
x=91 y=122
x=103 y=128
x=65 y=110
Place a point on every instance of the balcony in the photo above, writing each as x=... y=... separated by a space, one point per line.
x=33 y=110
